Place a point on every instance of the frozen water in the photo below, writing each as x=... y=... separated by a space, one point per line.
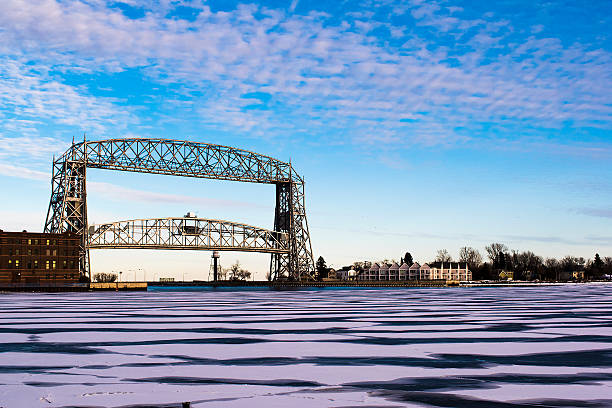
x=441 y=347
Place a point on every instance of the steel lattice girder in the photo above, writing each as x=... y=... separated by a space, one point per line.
x=187 y=233
x=68 y=209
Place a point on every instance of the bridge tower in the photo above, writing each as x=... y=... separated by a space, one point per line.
x=68 y=204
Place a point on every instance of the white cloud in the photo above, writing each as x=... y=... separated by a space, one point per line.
x=29 y=95
x=327 y=77
x=23 y=172
x=30 y=147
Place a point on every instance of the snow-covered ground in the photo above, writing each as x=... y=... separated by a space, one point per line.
x=525 y=346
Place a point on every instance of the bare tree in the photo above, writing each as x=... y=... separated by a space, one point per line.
x=553 y=267
x=237 y=273
x=471 y=256
x=105 y=277
x=443 y=256
x=527 y=261
x=497 y=254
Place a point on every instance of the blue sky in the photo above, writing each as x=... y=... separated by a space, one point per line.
x=417 y=125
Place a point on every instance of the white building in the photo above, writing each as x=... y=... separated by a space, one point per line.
x=449 y=271
x=342 y=274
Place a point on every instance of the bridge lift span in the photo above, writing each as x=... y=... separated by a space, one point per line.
x=289 y=241
x=187 y=233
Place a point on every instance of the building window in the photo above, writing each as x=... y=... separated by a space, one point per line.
x=47 y=265
x=47 y=242
x=53 y=264
x=48 y=252
x=65 y=262
x=10 y=263
x=36 y=264
x=55 y=252
x=16 y=251
x=35 y=242
x=53 y=242
x=17 y=263
x=29 y=252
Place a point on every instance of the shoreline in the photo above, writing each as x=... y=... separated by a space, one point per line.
x=266 y=285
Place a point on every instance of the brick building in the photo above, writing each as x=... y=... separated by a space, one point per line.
x=38 y=258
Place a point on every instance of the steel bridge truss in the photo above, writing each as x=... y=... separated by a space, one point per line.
x=293 y=258
x=187 y=233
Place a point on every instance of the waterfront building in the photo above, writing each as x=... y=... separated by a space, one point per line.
x=38 y=258
x=373 y=272
x=425 y=272
x=404 y=271
x=394 y=271
x=454 y=271
x=414 y=271
x=449 y=271
x=571 y=275
x=346 y=274
x=383 y=272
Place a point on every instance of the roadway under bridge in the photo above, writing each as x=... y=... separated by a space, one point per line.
x=288 y=242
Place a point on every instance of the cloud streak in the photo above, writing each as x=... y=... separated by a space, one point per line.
x=596 y=212
x=125 y=194
x=120 y=193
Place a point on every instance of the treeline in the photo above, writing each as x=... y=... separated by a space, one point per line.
x=526 y=265
x=523 y=265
